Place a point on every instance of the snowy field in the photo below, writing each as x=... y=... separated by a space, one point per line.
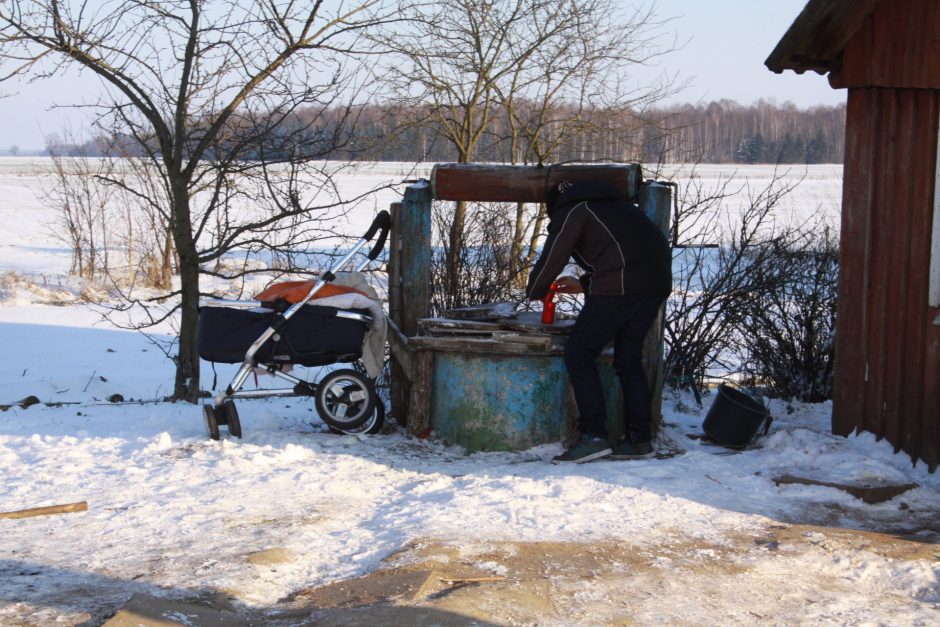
x=174 y=515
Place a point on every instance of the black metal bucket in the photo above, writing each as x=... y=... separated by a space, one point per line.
x=735 y=417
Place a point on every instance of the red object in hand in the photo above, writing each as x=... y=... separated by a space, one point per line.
x=548 y=304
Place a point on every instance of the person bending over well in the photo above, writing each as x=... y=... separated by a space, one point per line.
x=627 y=277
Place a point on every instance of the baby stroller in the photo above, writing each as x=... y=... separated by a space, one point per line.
x=272 y=335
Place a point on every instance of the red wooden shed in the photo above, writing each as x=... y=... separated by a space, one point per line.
x=886 y=53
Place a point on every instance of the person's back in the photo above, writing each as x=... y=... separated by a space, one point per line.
x=620 y=249
x=644 y=249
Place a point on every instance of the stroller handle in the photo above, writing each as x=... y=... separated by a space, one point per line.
x=383 y=222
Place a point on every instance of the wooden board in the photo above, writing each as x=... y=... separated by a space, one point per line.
x=531 y=321
x=869 y=493
x=485 y=311
x=447 y=326
x=520 y=345
x=67 y=508
x=525 y=327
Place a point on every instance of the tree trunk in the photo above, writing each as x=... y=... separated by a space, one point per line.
x=456 y=238
x=186 y=387
x=515 y=254
x=534 y=240
x=131 y=263
x=455 y=243
x=166 y=262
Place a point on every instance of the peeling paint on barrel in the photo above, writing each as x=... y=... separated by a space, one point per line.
x=500 y=403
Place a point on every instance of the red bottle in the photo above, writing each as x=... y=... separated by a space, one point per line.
x=548 y=304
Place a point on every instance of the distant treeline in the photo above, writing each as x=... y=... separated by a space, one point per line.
x=728 y=132
x=718 y=132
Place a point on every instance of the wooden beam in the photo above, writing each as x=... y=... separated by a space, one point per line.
x=508 y=183
x=419 y=403
x=414 y=238
x=933 y=296
x=871 y=494
x=66 y=508
x=656 y=201
x=492 y=346
x=401 y=351
x=409 y=294
x=394 y=264
x=399 y=374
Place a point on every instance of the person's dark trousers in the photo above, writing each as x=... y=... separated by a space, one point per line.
x=626 y=320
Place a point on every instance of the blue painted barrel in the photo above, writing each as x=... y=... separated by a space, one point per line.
x=510 y=402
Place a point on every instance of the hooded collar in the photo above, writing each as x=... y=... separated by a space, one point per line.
x=566 y=193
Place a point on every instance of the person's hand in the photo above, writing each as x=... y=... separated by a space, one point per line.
x=568 y=285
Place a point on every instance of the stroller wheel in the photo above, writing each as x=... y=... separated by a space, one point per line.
x=212 y=423
x=231 y=415
x=370 y=427
x=345 y=399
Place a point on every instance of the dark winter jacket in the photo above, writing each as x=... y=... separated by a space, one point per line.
x=620 y=249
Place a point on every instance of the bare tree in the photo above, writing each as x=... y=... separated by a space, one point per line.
x=726 y=132
x=585 y=66
x=718 y=266
x=445 y=63
x=786 y=339
x=111 y=234
x=478 y=71
x=81 y=206
x=591 y=62
x=205 y=94
x=484 y=258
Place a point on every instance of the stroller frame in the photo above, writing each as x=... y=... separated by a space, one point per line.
x=223 y=411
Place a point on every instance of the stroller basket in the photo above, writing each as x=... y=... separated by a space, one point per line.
x=314 y=336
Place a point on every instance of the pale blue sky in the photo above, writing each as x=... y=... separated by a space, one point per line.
x=725 y=43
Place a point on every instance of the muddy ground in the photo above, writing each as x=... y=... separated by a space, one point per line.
x=772 y=576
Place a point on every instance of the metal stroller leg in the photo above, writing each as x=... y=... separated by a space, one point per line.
x=237 y=382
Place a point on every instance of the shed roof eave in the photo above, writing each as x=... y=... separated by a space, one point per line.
x=822 y=70
x=818 y=35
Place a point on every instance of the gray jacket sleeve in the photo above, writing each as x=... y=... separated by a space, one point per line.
x=563 y=234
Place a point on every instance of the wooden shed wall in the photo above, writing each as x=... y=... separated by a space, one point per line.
x=888 y=349
x=897 y=45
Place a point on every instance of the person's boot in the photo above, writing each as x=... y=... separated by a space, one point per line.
x=625 y=449
x=586 y=449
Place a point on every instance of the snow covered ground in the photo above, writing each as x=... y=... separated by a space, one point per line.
x=173 y=514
